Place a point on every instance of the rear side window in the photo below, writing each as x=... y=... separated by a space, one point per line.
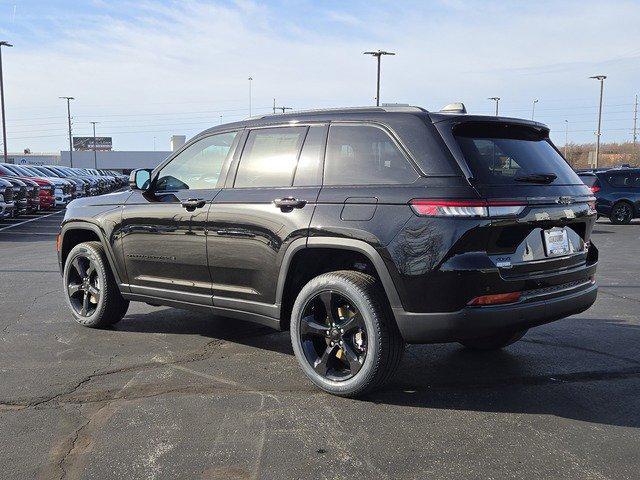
x=619 y=180
x=364 y=155
x=500 y=154
x=269 y=157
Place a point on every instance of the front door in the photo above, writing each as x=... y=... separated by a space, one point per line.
x=268 y=203
x=163 y=228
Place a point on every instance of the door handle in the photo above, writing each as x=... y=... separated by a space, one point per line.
x=289 y=203
x=192 y=203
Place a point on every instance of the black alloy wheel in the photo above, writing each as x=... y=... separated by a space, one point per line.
x=621 y=213
x=83 y=286
x=333 y=335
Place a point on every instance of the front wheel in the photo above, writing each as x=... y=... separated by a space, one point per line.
x=90 y=288
x=494 y=342
x=344 y=335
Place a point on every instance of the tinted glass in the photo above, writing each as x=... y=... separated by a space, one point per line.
x=588 y=180
x=269 y=157
x=198 y=166
x=619 y=180
x=499 y=154
x=636 y=180
x=364 y=155
x=309 y=169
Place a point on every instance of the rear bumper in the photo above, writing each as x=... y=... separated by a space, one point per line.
x=477 y=322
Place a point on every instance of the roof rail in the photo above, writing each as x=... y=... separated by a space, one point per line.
x=319 y=111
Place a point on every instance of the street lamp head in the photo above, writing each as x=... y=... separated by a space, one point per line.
x=378 y=53
x=495 y=99
x=67 y=98
x=599 y=77
x=4 y=43
x=535 y=100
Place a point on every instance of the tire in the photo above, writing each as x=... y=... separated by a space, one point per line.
x=94 y=298
x=494 y=342
x=621 y=213
x=368 y=345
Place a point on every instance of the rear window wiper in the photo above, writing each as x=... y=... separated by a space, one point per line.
x=536 y=178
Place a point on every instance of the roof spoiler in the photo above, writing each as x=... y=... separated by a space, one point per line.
x=457 y=107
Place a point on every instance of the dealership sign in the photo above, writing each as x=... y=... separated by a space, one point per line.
x=86 y=143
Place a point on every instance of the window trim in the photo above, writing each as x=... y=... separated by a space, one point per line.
x=233 y=149
x=390 y=133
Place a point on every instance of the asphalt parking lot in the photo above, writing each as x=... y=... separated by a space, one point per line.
x=174 y=394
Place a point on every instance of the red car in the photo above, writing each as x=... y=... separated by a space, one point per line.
x=47 y=188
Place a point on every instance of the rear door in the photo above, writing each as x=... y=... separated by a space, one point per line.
x=543 y=212
x=267 y=203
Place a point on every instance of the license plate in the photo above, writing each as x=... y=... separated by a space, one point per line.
x=556 y=242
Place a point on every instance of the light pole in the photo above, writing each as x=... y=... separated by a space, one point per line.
x=566 y=140
x=378 y=54
x=4 y=123
x=250 y=81
x=601 y=79
x=68 y=99
x=95 y=154
x=497 y=100
x=533 y=108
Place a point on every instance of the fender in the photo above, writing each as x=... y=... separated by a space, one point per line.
x=83 y=225
x=359 y=246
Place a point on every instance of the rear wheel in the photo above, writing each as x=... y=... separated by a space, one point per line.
x=90 y=289
x=344 y=335
x=621 y=213
x=494 y=342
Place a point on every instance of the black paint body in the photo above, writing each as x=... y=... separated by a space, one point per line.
x=233 y=255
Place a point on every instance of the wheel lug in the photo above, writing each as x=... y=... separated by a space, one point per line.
x=341 y=343
x=341 y=330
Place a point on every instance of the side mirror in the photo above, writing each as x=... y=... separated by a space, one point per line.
x=140 y=179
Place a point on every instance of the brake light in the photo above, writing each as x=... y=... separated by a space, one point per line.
x=466 y=208
x=595 y=188
x=496 y=299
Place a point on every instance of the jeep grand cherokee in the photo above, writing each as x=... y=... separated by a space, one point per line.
x=356 y=229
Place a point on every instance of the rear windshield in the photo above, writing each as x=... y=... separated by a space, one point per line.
x=588 y=180
x=501 y=154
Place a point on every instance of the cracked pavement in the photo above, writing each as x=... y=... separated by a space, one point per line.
x=176 y=394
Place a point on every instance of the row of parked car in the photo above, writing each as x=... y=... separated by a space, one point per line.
x=26 y=189
x=617 y=192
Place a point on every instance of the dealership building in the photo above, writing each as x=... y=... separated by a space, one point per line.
x=103 y=157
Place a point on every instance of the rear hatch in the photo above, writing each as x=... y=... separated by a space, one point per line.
x=541 y=212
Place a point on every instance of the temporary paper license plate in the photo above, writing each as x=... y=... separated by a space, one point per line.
x=556 y=241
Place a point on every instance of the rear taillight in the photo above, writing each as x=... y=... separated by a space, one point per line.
x=595 y=188
x=466 y=208
x=496 y=299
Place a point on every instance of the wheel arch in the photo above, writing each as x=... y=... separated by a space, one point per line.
x=362 y=250
x=74 y=233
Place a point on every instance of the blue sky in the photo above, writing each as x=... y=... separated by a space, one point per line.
x=146 y=70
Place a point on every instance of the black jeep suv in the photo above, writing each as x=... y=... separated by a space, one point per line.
x=357 y=229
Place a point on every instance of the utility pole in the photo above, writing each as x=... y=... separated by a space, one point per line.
x=566 y=140
x=95 y=154
x=378 y=54
x=68 y=99
x=4 y=121
x=250 y=81
x=497 y=100
x=533 y=108
x=635 y=124
x=600 y=78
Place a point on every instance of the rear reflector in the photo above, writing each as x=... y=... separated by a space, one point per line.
x=595 y=188
x=497 y=299
x=466 y=208
x=58 y=242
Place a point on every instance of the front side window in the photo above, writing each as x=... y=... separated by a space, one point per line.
x=364 y=155
x=198 y=166
x=508 y=154
x=269 y=157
